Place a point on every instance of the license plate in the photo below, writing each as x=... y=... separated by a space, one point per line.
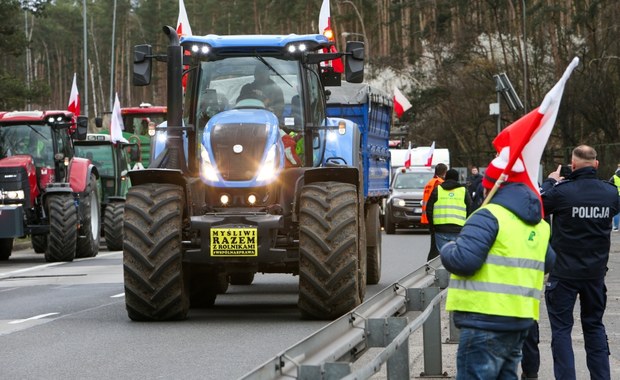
x=417 y=210
x=234 y=242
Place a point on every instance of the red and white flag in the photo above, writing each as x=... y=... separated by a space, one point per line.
x=409 y=157
x=429 y=155
x=74 y=98
x=116 y=125
x=524 y=140
x=183 y=28
x=401 y=104
x=325 y=28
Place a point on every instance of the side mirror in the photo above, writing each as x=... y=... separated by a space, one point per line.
x=81 y=128
x=142 y=63
x=99 y=122
x=354 y=63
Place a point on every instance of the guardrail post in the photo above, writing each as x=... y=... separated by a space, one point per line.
x=419 y=299
x=455 y=333
x=381 y=332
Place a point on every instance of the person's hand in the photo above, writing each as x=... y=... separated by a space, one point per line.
x=556 y=174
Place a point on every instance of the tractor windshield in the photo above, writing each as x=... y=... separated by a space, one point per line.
x=138 y=123
x=100 y=155
x=34 y=140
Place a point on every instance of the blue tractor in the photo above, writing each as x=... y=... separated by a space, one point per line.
x=250 y=175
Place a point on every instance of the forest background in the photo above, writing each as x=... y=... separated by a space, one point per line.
x=442 y=54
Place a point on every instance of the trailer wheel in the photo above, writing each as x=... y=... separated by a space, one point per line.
x=328 y=250
x=88 y=244
x=373 y=250
x=39 y=243
x=63 y=219
x=6 y=246
x=241 y=278
x=155 y=289
x=113 y=225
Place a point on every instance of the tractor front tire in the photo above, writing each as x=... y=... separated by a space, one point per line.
x=373 y=252
x=113 y=226
x=39 y=243
x=63 y=228
x=155 y=288
x=6 y=247
x=88 y=244
x=328 y=250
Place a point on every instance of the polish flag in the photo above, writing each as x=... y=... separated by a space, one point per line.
x=116 y=125
x=74 y=98
x=524 y=140
x=429 y=155
x=325 y=28
x=401 y=104
x=183 y=28
x=408 y=160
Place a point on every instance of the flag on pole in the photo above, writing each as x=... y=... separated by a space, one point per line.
x=74 y=98
x=116 y=124
x=401 y=104
x=408 y=159
x=325 y=28
x=429 y=155
x=183 y=28
x=523 y=141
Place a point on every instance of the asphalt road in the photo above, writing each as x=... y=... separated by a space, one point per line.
x=68 y=320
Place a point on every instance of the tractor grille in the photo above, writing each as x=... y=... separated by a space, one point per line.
x=244 y=165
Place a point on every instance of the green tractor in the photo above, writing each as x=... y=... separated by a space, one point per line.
x=113 y=163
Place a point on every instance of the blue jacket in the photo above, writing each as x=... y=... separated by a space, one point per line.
x=582 y=207
x=465 y=256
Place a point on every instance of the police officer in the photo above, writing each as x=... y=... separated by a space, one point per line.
x=581 y=207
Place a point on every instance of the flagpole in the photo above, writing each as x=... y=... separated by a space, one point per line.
x=112 y=59
x=85 y=60
x=502 y=178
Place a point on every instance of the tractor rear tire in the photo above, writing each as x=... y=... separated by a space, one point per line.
x=155 y=287
x=6 y=247
x=39 y=243
x=63 y=234
x=113 y=226
x=241 y=278
x=328 y=250
x=88 y=244
x=373 y=253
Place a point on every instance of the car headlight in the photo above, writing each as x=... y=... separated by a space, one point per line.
x=398 y=202
x=269 y=167
x=208 y=171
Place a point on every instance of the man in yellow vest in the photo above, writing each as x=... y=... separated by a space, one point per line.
x=497 y=265
x=615 y=179
x=448 y=207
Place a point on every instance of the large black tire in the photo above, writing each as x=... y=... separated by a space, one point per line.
x=241 y=278
x=373 y=249
x=63 y=228
x=155 y=288
x=88 y=241
x=113 y=225
x=390 y=227
x=39 y=243
x=328 y=249
x=6 y=247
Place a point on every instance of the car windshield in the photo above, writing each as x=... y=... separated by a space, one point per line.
x=31 y=139
x=412 y=180
x=100 y=155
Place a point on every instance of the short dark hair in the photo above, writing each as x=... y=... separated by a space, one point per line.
x=441 y=169
x=452 y=174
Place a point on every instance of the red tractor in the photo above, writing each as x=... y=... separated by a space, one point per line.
x=45 y=191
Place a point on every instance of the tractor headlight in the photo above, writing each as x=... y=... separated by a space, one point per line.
x=269 y=167
x=208 y=171
x=398 y=202
x=12 y=195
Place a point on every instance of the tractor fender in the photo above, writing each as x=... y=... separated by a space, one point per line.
x=80 y=170
x=345 y=174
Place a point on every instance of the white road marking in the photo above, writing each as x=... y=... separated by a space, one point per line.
x=9 y=274
x=118 y=295
x=31 y=318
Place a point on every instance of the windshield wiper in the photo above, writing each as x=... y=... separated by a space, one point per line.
x=37 y=132
x=260 y=58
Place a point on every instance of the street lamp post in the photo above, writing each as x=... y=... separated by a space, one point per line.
x=85 y=107
x=524 y=58
x=359 y=16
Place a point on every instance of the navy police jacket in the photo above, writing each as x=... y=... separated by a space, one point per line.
x=582 y=207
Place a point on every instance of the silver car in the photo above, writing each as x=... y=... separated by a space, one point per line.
x=403 y=208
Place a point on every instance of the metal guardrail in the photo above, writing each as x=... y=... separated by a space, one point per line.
x=330 y=352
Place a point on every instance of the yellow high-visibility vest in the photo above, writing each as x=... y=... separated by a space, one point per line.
x=510 y=281
x=617 y=182
x=450 y=206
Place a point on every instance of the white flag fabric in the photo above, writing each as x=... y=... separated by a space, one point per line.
x=74 y=98
x=116 y=125
x=401 y=104
x=429 y=155
x=183 y=28
x=324 y=17
x=409 y=157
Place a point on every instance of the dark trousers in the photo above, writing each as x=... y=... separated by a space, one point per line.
x=530 y=363
x=560 y=296
x=433 y=252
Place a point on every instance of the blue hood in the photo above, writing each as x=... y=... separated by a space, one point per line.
x=521 y=200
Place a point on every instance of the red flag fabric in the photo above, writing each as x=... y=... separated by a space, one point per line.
x=524 y=140
x=183 y=28
x=325 y=28
x=74 y=98
x=429 y=155
x=408 y=159
x=401 y=104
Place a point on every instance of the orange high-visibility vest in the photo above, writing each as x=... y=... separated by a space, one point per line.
x=428 y=189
